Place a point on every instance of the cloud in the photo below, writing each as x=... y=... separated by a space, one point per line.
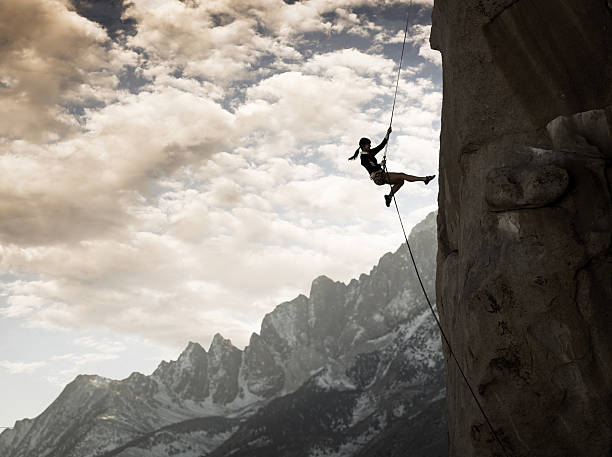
x=51 y=58
x=21 y=305
x=220 y=187
x=102 y=346
x=419 y=35
x=189 y=36
x=178 y=285
x=305 y=107
x=226 y=41
x=64 y=367
x=350 y=63
x=44 y=198
x=21 y=367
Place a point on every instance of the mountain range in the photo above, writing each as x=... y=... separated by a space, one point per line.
x=351 y=370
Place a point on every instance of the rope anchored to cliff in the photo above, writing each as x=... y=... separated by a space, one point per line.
x=444 y=337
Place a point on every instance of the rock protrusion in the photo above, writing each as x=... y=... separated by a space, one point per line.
x=509 y=188
x=584 y=135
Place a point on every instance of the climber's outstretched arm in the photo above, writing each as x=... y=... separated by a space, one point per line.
x=380 y=147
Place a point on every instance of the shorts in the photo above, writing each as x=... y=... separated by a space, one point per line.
x=379 y=177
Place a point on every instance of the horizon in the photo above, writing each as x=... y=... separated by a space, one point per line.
x=175 y=170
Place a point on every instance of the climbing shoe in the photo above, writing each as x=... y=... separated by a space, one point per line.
x=427 y=179
x=388 y=199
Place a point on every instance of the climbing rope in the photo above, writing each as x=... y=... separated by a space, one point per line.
x=399 y=70
x=450 y=349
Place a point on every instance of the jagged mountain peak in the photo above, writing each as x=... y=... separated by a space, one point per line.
x=186 y=377
x=224 y=360
x=220 y=344
x=429 y=224
x=322 y=281
x=136 y=376
x=278 y=326
x=326 y=289
x=193 y=347
x=90 y=379
x=193 y=351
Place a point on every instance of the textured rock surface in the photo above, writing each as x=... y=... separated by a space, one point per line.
x=525 y=222
x=187 y=376
x=510 y=188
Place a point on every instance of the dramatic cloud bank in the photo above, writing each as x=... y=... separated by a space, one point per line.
x=189 y=171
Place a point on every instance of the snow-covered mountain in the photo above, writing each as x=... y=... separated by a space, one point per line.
x=347 y=371
x=94 y=415
x=355 y=409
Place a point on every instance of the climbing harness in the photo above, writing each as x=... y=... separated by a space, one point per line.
x=379 y=177
x=450 y=349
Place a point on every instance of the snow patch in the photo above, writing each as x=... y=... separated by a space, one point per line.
x=327 y=381
x=98 y=381
x=364 y=407
x=359 y=332
x=284 y=319
x=400 y=305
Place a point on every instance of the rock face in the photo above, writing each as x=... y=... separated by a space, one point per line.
x=525 y=221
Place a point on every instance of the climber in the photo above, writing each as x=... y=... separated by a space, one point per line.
x=377 y=174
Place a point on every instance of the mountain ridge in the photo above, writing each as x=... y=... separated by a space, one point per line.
x=298 y=341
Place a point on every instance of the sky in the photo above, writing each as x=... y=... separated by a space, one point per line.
x=172 y=169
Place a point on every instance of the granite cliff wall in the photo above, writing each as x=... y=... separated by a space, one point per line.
x=525 y=221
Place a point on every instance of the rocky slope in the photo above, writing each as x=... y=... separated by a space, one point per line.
x=525 y=217
x=356 y=360
x=384 y=402
x=342 y=409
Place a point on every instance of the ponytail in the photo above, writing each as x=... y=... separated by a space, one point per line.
x=354 y=156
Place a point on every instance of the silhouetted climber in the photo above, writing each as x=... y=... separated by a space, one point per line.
x=379 y=175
